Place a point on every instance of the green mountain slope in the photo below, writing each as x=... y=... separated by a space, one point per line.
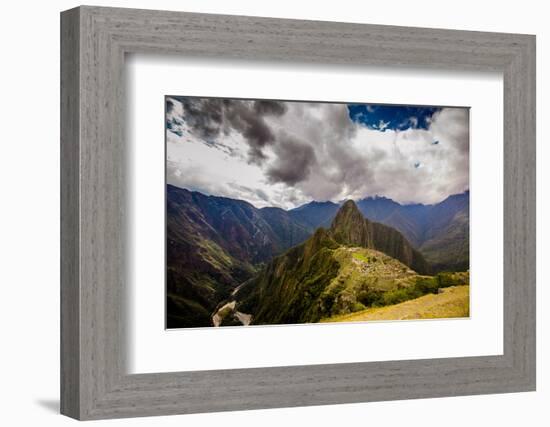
x=340 y=270
x=288 y=289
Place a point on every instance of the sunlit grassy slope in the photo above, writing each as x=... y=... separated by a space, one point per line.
x=449 y=302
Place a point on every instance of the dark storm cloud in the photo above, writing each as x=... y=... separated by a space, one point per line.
x=209 y=118
x=266 y=107
x=169 y=106
x=202 y=116
x=293 y=162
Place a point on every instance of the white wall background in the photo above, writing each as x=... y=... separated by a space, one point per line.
x=29 y=214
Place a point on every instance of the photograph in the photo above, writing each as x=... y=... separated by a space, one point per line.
x=286 y=212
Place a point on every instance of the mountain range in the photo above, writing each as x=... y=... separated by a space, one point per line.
x=213 y=245
x=219 y=247
x=439 y=231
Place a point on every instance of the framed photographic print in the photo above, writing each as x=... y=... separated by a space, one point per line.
x=276 y=213
x=281 y=212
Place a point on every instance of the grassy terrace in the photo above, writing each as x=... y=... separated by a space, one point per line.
x=450 y=302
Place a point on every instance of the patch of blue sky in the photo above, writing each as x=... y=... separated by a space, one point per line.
x=391 y=117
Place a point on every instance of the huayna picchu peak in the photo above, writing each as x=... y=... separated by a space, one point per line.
x=351 y=228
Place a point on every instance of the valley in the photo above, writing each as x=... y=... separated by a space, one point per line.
x=231 y=264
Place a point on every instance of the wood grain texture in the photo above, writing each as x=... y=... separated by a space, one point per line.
x=94 y=264
x=70 y=220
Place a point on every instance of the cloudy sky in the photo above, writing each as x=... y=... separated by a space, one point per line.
x=280 y=153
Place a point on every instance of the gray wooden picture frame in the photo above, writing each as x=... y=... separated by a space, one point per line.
x=94 y=382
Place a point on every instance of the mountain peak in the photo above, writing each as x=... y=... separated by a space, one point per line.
x=349 y=204
x=348 y=212
x=348 y=216
x=350 y=226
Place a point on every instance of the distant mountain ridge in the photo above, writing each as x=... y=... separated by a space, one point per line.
x=440 y=231
x=315 y=214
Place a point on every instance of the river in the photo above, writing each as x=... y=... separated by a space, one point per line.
x=228 y=309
